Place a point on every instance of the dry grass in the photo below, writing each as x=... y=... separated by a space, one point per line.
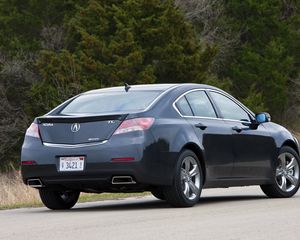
x=14 y=193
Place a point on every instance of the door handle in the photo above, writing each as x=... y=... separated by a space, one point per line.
x=201 y=126
x=237 y=129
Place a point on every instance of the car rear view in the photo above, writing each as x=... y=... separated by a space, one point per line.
x=94 y=142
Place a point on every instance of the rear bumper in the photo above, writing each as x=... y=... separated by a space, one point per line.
x=91 y=181
x=149 y=167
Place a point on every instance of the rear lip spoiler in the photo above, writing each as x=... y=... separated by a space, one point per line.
x=80 y=119
x=80 y=145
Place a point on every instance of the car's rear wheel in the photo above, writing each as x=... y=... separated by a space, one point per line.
x=58 y=200
x=188 y=180
x=286 y=181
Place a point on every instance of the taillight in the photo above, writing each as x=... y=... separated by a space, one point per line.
x=28 y=162
x=135 y=124
x=122 y=159
x=33 y=131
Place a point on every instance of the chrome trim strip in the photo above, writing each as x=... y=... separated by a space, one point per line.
x=209 y=118
x=174 y=103
x=212 y=118
x=220 y=119
x=58 y=145
x=296 y=140
x=159 y=96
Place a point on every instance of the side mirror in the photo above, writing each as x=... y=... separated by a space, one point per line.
x=263 y=117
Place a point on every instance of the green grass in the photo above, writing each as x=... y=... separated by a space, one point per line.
x=92 y=197
x=21 y=205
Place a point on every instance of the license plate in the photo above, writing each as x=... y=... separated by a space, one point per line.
x=69 y=164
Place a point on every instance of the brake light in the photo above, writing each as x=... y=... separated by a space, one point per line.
x=122 y=159
x=33 y=131
x=28 y=162
x=135 y=124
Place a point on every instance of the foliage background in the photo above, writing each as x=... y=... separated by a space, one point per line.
x=51 y=50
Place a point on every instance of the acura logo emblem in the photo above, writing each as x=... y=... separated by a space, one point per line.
x=75 y=127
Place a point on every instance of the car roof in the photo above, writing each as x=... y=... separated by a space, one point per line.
x=153 y=87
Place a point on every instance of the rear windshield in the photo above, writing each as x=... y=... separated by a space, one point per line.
x=111 y=102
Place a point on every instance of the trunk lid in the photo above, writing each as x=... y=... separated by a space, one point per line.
x=78 y=129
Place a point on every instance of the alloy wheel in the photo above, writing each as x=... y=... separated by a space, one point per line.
x=190 y=178
x=287 y=172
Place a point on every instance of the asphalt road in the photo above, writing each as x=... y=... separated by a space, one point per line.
x=231 y=214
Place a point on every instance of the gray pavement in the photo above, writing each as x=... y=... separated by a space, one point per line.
x=231 y=214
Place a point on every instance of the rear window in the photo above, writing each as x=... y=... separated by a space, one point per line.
x=111 y=102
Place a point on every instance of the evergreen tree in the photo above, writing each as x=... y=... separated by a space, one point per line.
x=133 y=41
x=264 y=59
x=51 y=50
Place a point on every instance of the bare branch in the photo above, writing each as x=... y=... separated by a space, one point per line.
x=292 y=110
x=207 y=16
x=13 y=121
x=52 y=37
x=289 y=9
x=18 y=67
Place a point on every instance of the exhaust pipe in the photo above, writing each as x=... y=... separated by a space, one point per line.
x=34 y=182
x=122 y=180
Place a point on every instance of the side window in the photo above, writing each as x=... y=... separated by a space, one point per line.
x=228 y=108
x=184 y=107
x=200 y=104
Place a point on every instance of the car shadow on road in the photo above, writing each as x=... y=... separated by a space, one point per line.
x=150 y=204
x=222 y=199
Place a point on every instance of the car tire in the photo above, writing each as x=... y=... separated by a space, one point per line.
x=286 y=177
x=58 y=200
x=187 y=183
x=158 y=193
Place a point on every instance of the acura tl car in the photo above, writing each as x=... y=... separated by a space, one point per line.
x=170 y=139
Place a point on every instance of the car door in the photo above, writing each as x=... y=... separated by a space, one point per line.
x=212 y=132
x=253 y=148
